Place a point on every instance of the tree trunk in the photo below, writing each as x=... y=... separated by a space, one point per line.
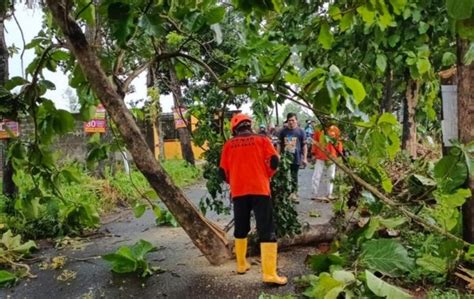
x=466 y=128
x=204 y=234
x=387 y=101
x=9 y=188
x=184 y=136
x=409 y=141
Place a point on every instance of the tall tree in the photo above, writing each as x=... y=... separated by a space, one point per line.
x=183 y=132
x=9 y=188
x=209 y=239
x=466 y=125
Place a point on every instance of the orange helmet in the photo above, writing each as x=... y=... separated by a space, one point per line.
x=333 y=131
x=237 y=119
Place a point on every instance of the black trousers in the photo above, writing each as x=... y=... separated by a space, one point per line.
x=262 y=207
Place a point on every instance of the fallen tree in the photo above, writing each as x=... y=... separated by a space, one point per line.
x=206 y=236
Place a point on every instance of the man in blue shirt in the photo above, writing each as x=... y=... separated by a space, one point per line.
x=293 y=140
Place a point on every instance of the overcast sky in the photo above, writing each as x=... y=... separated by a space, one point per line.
x=30 y=22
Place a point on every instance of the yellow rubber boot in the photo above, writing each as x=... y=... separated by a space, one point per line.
x=241 y=255
x=269 y=264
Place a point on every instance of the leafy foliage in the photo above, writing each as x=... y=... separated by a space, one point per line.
x=129 y=259
x=285 y=215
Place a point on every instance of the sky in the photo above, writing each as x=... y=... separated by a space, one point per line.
x=30 y=22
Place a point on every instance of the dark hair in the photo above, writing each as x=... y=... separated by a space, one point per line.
x=290 y=115
x=243 y=126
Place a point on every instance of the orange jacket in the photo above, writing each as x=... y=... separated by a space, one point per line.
x=334 y=150
x=245 y=160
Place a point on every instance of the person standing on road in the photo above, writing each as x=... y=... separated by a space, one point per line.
x=248 y=161
x=324 y=169
x=293 y=140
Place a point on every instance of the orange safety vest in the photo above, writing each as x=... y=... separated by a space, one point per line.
x=334 y=150
x=245 y=160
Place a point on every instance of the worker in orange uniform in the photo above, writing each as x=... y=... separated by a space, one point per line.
x=324 y=169
x=248 y=161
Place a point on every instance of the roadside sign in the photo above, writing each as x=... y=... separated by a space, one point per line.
x=98 y=124
x=12 y=126
x=178 y=117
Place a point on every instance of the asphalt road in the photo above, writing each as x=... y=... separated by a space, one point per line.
x=186 y=273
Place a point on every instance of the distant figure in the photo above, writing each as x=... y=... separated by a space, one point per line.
x=324 y=169
x=309 y=131
x=293 y=140
x=248 y=161
x=262 y=130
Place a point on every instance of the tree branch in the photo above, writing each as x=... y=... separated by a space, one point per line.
x=24 y=44
x=389 y=202
x=135 y=74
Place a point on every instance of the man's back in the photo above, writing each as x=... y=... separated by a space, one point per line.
x=246 y=162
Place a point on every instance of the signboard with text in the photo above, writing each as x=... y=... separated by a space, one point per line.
x=98 y=124
x=178 y=117
x=8 y=127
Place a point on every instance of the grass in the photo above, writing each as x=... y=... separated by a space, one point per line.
x=101 y=195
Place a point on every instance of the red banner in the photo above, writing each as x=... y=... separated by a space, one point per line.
x=12 y=126
x=98 y=124
x=178 y=117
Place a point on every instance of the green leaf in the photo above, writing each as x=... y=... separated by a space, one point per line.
x=334 y=12
x=13 y=243
x=465 y=28
x=214 y=15
x=381 y=62
x=398 y=6
x=14 y=82
x=325 y=287
x=293 y=78
x=87 y=11
x=459 y=9
x=392 y=223
x=368 y=15
x=425 y=180
x=141 y=248
x=386 y=256
x=122 y=261
x=423 y=27
x=387 y=118
x=7 y=278
x=139 y=210
x=122 y=21
x=322 y=262
x=423 y=65
x=346 y=21
x=358 y=90
x=130 y=259
x=469 y=55
x=63 y=122
x=153 y=25
x=277 y=5
x=393 y=40
x=453 y=200
x=449 y=59
x=450 y=173
x=383 y=289
x=433 y=264
x=71 y=174
x=325 y=37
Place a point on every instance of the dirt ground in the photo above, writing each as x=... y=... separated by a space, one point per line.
x=186 y=273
